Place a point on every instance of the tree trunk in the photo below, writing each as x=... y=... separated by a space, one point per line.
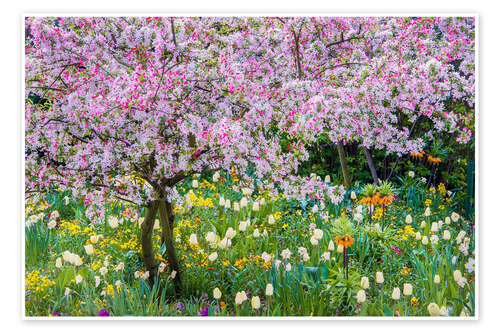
x=167 y=238
x=369 y=159
x=147 y=241
x=343 y=163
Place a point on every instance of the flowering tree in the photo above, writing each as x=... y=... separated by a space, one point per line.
x=371 y=81
x=128 y=107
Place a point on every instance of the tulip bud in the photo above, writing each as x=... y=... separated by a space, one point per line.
x=407 y=289
x=270 y=219
x=437 y=279
x=288 y=267
x=222 y=202
x=340 y=248
x=243 y=202
x=425 y=240
x=379 y=277
x=427 y=212
x=195 y=183
x=318 y=234
x=217 y=293
x=256 y=233
x=314 y=241
x=353 y=195
x=58 y=262
x=408 y=219
x=457 y=275
x=255 y=302
x=269 y=289
x=396 y=294
x=327 y=179
x=255 y=206
x=365 y=283
x=422 y=224
x=418 y=236
x=361 y=296
x=230 y=233
x=446 y=235
x=433 y=309
x=236 y=206
x=213 y=256
x=227 y=204
x=331 y=246
x=447 y=220
x=193 y=240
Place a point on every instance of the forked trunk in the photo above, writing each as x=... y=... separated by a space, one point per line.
x=167 y=238
x=148 y=255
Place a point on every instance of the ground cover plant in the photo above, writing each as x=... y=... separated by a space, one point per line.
x=176 y=166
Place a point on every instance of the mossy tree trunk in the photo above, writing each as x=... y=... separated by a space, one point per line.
x=167 y=239
x=148 y=256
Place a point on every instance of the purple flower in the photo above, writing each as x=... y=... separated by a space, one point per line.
x=103 y=313
x=204 y=312
x=56 y=314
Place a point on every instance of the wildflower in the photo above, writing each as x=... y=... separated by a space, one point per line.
x=379 y=277
x=331 y=246
x=67 y=291
x=78 y=279
x=145 y=275
x=396 y=294
x=271 y=219
x=195 y=184
x=227 y=204
x=340 y=248
x=434 y=227
x=418 y=236
x=277 y=263
x=414 y=301
x=408 y=219
x=443 y=311
x=365 y=283
x=314 y=209
x=243 y=202
x=314 y=241
x=460 y=236
x=216 y=177
x=423 y=224
x=288 y=267
x=327 y=179
x=454 y=217
x=97 y=280
x=425 y=240
x=51 y=224
x=217 y=293
x=230 y=233
x=256 y=233
x=361 y=296
x=222 y=202
x=407 y=289
x=269 y=289
x=193 y=240
x=255 y=302
x=236 y=206
x=94 y=239
x=433 y=309
x=118 y=284
x=89 y=249
x=103 y=313
x=66 y=200
x=437 y=279
x=162 y=267
x=255 y=206
x=353 y=195
x=120 y=267
x=58 y=262
x=447 y=220
x=423 y=179
x=137 y=274
x=346 y=240
x=240 y=297
x=213 y=256
x=470 y=265
x=411 y=174
x=113 y=222
x=103 y=270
